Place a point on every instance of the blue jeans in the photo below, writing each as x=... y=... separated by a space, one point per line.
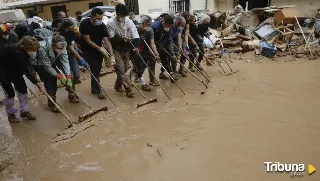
x=75 y=72
x=95 y=60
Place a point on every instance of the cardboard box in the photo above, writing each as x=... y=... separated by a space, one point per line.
x=288 y=16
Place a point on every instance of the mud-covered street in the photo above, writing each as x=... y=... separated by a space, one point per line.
x=268 y=111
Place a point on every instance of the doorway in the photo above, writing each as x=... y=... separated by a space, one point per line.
x=132 y=5
x=56 y=9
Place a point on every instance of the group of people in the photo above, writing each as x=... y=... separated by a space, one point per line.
x=47 y=56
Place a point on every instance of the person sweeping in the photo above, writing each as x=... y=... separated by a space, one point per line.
x=93 y=32
x=14 y=63
x=52 y=53
x=121 y=30
x=147 y=34
x=67 y=31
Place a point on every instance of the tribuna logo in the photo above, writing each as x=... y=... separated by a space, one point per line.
x=293 y=169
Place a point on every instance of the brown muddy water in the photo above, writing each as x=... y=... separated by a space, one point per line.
x=268 y=111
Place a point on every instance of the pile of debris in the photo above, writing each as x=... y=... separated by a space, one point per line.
x=269 y=31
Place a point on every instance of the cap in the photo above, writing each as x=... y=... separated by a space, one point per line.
x=4 y=28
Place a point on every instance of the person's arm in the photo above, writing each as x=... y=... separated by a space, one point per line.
x=85 y=33
x=74 y=52
x=45 y=61
x=89 y=42
x=180 y=41
x=108 y=45
x=186 y=34
x=152 y=44
x=192 y=40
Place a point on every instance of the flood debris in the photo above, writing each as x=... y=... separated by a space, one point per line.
x=268 y=32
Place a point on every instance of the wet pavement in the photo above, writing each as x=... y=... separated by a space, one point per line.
x=266 y=112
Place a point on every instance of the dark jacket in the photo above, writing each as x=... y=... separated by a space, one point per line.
x=15 y=62
x=197 y=32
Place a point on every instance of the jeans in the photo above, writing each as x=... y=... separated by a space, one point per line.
x=8 y=100
x=75 y=72
x=94 y=60
x=138 y=63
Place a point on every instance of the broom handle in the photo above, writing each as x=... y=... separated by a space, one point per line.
x=303 y=35
x=74 y=91
x=58 y=107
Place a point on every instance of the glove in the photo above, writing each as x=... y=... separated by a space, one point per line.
x=104 y=52
x=83 y=62
x=136 y=50
x=63 y=81
x=113 y=60
x=69 y=83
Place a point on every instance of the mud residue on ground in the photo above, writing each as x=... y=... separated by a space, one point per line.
x=268 y=111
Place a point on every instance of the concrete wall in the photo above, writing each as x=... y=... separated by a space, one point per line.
x=146 y=5
x=224 y=5
x=303 y=5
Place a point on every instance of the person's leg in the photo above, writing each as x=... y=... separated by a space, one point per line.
x=8 y=102
x=165 y=63
x=183 y=59
x=75 y=73
x=152 y=69
x=95 y=88
x=191 y=58
x=200 y=57
x=21 y=87
x=141 y=68
x=121 y=67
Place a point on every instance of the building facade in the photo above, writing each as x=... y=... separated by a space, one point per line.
x=48 y=9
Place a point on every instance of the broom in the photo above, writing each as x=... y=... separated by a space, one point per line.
x=92 y=111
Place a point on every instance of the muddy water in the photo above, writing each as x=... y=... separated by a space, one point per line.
x=267 y=112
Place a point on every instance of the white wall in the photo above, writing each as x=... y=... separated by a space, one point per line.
x=309 y=6
x=146 y=5
x=224 y=5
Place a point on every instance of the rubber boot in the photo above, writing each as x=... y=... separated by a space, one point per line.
x=145 y=87
x=129 y=93
x=163 y=76
x=118 y=87
x=28 y=116
x=153 y=81
x=199 y=66
x=174 y=77
x=191 y=68
x=182 y=71
x=73 y=98
x=52 y=106
x=13 y=119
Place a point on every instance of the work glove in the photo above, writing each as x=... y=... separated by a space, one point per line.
x=62 y=79
x=69 y=83
x=104 y=52
x=136 y=50
x=83 y=63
